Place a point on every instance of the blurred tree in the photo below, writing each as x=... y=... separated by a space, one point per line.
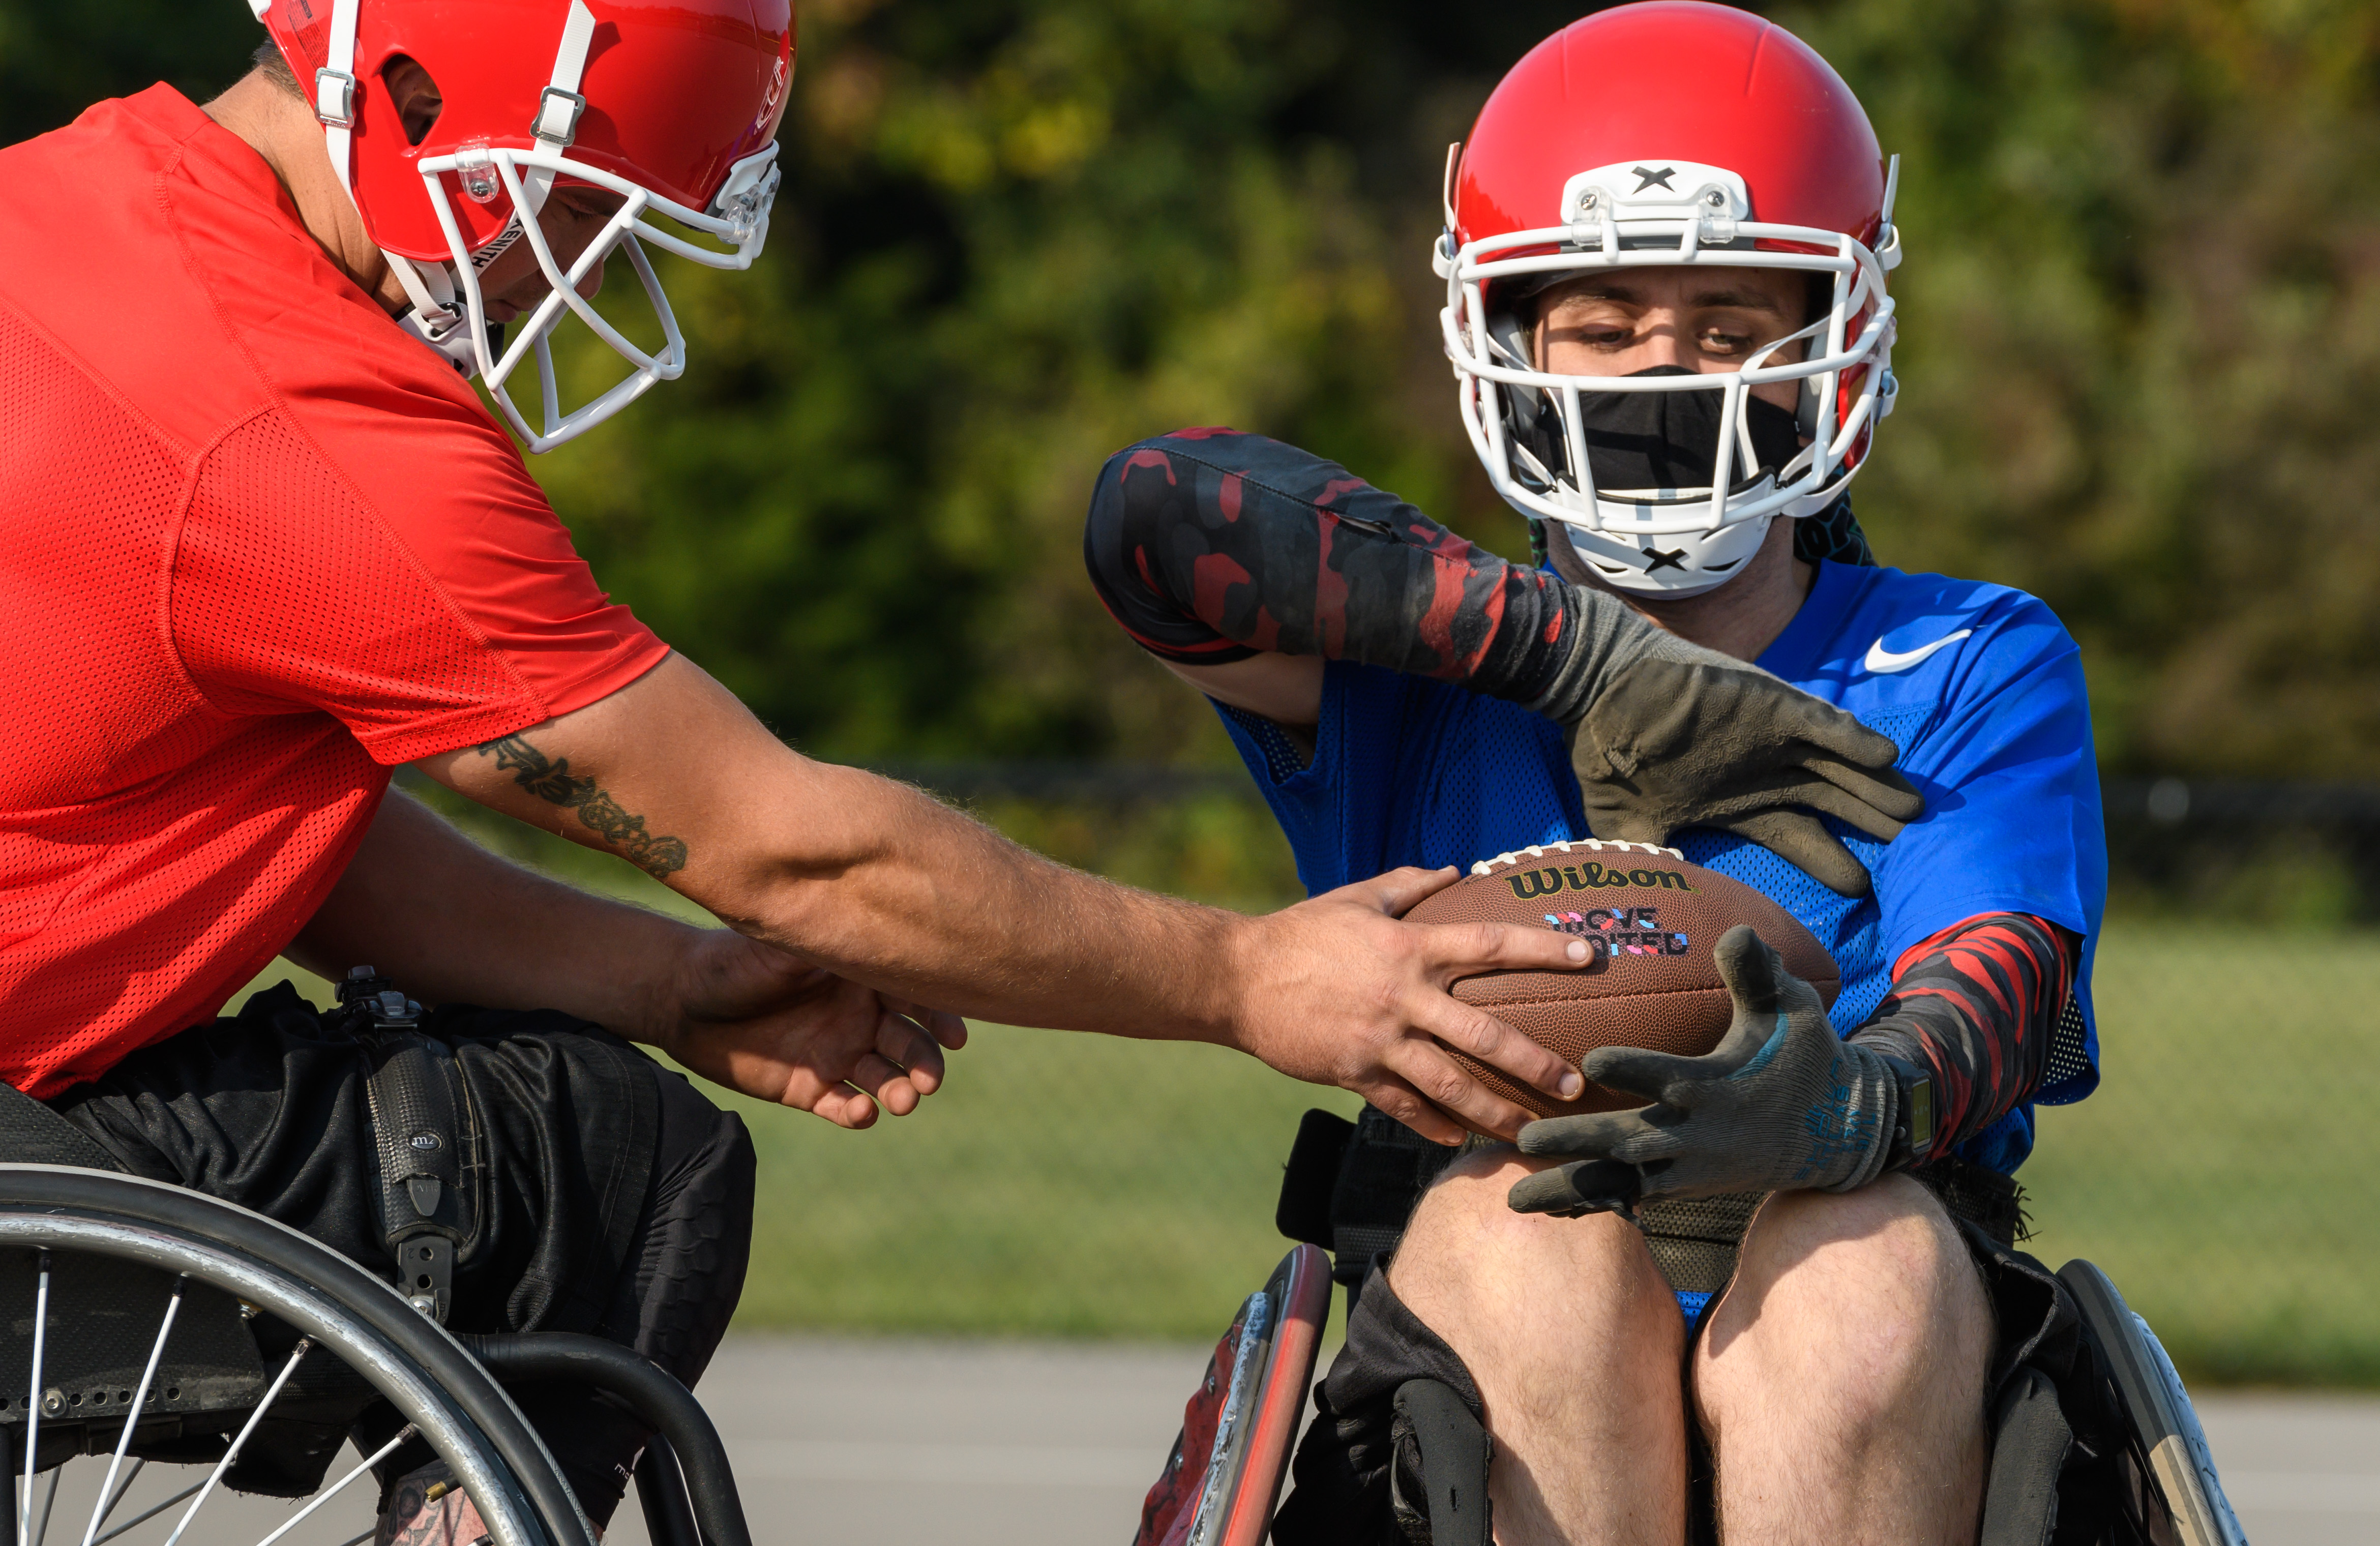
x=2141 y=346
x=1013 y=237
x=2140 y=338
x=59 y=57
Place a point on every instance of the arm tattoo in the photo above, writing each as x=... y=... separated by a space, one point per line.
x=550 y=780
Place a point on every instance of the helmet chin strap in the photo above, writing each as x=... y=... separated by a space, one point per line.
x=559 y=105
x=440 y=324
x=437 y=314
x=427 y=285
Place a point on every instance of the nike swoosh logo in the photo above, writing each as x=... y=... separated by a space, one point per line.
x=1885 y=661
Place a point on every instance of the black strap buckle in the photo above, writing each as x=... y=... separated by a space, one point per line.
x=422 y=1137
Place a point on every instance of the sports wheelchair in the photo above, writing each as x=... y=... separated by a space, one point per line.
x=154 y=1326
x=2157 y=1487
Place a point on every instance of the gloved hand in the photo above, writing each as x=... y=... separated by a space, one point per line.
x=1665 y=734
x=1782 y=1104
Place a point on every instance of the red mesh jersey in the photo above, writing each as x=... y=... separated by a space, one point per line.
x=256 y=546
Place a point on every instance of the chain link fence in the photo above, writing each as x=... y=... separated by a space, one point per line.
x=2223 y=1172
x=1085 y=1185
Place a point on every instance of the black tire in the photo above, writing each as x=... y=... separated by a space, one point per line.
x=2172 y=1446
x=58 y=1214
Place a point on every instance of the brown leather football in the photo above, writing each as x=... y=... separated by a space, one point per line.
x=1651 y=982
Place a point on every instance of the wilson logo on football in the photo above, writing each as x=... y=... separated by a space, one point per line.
x=1619 y=932
x=1592 y=876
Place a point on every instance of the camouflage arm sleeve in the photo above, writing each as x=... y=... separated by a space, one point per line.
x=1210 y=545
x=1976 y=1005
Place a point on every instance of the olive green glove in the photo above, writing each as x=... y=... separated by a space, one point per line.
x=1665 y=734
x=1782 y=1104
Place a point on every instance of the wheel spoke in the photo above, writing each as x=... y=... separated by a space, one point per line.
x=33 y=1402
x=340 y=1486
x=109 y=1503
x=49 y=1496
x=206 y=1488
x=148 y=1513
x=109 y=1495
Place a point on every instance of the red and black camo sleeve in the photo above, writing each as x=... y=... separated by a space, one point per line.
x=1977 y=1005
x=1210 y=545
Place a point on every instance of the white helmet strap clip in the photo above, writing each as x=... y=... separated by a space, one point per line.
x=559 y=105
x=556 y=124
x=337 y=94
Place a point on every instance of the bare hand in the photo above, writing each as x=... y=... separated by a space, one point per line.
x=770 y=1024
x=1338 y=992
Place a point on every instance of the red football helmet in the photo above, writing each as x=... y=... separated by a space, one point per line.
x=1669 y=131
x=672 y=104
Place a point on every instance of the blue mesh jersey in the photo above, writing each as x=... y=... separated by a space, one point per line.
x=1993 y=727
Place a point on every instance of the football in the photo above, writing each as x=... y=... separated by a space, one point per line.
x=1653 y=920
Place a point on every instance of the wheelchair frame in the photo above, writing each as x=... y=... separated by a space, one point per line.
x=449 y=1390
x=2168 y=1492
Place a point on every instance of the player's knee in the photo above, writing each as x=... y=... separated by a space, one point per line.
x=1466 y=1246
x=1465 y=1209
x=1888 y=1250
x=695 y=1238
x=1862 y=1302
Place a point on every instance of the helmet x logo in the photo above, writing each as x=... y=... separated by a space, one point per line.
x=1657 y=560
x=1652 y=178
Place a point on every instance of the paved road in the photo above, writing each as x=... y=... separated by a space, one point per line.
x=919 y=1443
x=874 y=1444
x=2299 y=1471
x=924 y=1443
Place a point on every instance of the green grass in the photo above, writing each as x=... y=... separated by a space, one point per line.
x=1081 y=1186
x=1062 y=1184
x=2225 y=1173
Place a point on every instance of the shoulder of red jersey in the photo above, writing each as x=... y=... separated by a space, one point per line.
x=181 y=279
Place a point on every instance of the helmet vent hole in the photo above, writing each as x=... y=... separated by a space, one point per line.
x=415 y=95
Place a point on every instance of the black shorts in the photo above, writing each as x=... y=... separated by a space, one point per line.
x=1344 y=1493
x=616 y=1201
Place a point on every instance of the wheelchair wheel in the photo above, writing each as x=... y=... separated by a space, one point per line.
x=158 y=1332
x=1223 y=1477
x=2170 y=1479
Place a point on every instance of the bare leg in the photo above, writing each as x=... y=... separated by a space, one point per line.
x=1575 y=1343
x=1841 y=1379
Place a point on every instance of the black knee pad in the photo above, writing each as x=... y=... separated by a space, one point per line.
x=687 y=1263
x=1381 y=1457
x=678 y=1285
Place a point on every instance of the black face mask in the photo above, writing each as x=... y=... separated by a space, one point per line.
x=1661 y=440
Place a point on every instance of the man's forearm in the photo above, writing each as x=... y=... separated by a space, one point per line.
x=878 y=881
x=879 y=884
x=450 y=922
x=866 y=876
